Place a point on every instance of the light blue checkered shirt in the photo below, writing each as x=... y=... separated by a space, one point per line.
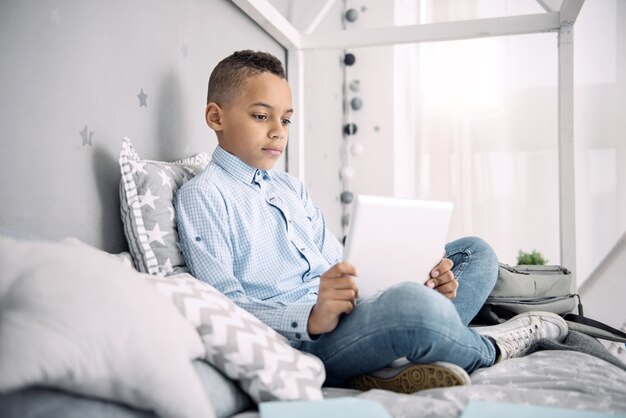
x=257 y=237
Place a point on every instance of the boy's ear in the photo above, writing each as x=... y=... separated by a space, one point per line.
x=213 y=116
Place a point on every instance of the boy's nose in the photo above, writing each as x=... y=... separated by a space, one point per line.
x=276 y=135
x=277 y=131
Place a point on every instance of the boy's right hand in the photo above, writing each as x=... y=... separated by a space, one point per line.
x=337 y=295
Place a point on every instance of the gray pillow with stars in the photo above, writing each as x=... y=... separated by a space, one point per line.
x=147 y=191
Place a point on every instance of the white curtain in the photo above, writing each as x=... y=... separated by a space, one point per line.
x=475 y=122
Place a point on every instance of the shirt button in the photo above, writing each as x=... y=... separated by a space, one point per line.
x=298 y=335
x=294 y=324
x=198 y=239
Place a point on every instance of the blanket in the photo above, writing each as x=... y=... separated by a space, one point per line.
x=577 y=341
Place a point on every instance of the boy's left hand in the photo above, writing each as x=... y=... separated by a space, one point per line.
x=442 y=279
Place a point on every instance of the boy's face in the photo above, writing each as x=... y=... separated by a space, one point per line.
x=255 y=124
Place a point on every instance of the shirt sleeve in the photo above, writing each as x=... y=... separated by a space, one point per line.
x=204 y=231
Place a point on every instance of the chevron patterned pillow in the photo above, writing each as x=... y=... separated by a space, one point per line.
x=241 y=346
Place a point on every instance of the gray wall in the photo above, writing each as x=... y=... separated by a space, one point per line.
x=70 y=76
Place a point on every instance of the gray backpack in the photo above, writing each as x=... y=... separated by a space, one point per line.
x=540 y=288
x=534 y=288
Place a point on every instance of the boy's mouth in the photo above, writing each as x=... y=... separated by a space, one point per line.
x=273 y=151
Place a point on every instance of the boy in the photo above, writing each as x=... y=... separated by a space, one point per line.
x=255 y=235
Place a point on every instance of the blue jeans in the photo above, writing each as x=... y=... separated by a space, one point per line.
x=413 y=321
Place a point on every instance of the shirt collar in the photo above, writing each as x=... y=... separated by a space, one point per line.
x=240 y=170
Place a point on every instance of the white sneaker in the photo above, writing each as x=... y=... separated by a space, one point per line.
x=515 y=336
x=411 y=378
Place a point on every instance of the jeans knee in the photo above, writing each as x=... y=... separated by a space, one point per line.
x=411 y=305
x=488 y=257
x=479 y=252
x=481 y=246
x=474 y=245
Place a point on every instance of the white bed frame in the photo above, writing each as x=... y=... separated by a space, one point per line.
x=559 y=16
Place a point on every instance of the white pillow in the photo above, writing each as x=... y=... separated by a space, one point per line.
x=241 y=346
x=74 y=318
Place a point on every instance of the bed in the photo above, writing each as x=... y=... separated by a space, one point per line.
x=75 y=341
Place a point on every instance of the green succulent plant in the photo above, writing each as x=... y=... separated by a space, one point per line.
x=534 y=257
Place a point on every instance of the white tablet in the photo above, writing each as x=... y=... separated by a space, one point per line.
x=392 y=240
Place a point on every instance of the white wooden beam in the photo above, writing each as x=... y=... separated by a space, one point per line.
x=447 y=31
x=550 y=5
x=311 y=17
x=268 y=18
x=569 y=11
x=272 y=21
x=297 y=144
x=567 y=201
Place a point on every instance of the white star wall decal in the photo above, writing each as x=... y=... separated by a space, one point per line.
x=55 y=16
x=143 y=99
x=147 y=199
x=156 y=235
x=86 y=134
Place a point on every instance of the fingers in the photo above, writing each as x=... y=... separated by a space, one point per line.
x=448 y=289
x=444 y=281
x=344 y=307
x=324 y=317
x=441 y=279
x=337 y=295
x=444 y=266
x=341 y=269
x=341 y=276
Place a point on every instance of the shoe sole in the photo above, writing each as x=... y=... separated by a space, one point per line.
x=414 y=378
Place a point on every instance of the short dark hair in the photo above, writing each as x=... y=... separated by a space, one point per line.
x=229 y=74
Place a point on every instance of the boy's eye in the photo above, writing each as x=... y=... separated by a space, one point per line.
x=286 y=122
x=260 y=117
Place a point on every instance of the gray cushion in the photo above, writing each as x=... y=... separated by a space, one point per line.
x=38 y=402
x=147 y=189
x=225 y=395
